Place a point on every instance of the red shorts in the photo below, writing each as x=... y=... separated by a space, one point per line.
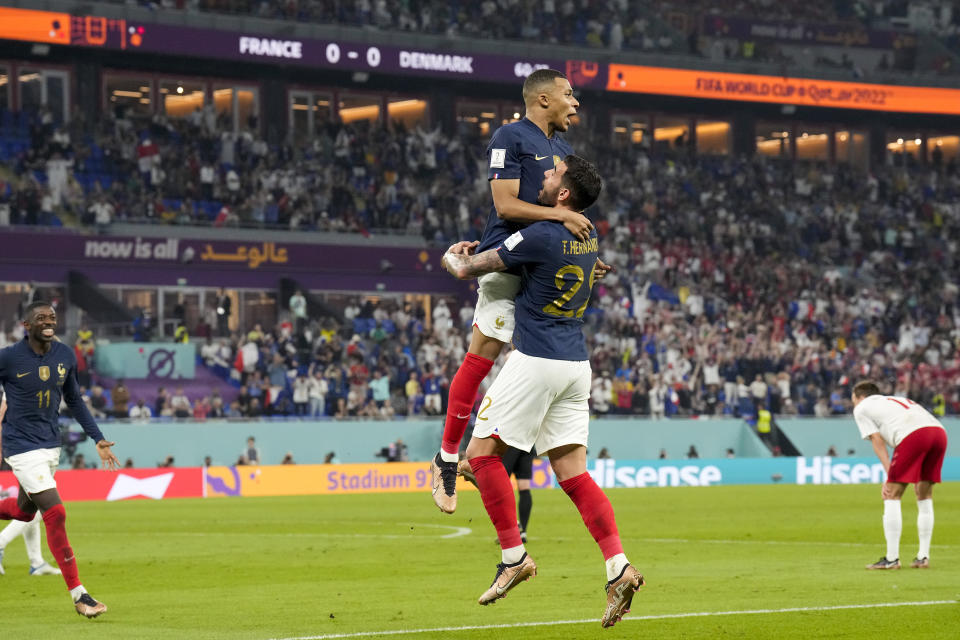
x=919 y=456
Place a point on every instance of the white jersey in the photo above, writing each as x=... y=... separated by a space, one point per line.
x=893 y=417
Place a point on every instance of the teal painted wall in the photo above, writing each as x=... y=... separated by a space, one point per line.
x=134 y=360
x=309 y=441
x=813 y=436
x=188 y=442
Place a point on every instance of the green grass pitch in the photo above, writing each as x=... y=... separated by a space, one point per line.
x=258 y=569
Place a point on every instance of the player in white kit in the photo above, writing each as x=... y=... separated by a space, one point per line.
x=919 y=443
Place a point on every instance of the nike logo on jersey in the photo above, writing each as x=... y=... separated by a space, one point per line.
x=539 y=158
x=20 y=375
x=460 y=417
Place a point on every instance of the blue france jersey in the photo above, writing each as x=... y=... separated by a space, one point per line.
x=33 y=385
x=557 y=273
x=519 y=150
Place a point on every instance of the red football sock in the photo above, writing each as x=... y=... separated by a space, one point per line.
x=497 y=494
x=596 y=511
x=10 y=510
x=55 y=519
x=463 y=393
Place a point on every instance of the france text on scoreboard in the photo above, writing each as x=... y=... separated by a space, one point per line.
x=150 y=37
x=711 y=85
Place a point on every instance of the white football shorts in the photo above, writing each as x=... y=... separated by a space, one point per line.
x=537 y=401
x=34 y=469
x=495 y=305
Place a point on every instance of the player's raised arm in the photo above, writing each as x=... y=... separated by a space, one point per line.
x=462 y=264
x=509 y=206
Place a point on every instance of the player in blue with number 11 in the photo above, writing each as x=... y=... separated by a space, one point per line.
x=540 y=397
x=35 y=373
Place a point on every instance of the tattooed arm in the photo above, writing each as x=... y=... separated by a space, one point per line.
x=462 y=264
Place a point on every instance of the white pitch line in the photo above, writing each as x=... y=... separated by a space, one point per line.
x=667 y=616
x=817 y=543
x=456 y=532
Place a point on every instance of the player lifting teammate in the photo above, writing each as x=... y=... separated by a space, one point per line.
x=919 y=443
x=35 y=373
x=541 y=396
x=517 y=156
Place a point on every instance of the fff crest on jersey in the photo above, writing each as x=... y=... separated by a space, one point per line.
x=44 y=373
x=61 y=371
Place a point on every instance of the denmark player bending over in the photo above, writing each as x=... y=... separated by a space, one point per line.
x=540 y=397
x=919 y=442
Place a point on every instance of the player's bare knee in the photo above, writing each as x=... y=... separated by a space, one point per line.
x=924 y=490
x=485 y=447
x=484 y=346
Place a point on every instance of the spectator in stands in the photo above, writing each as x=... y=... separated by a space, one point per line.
x=98 y=402
x=217 y=409
x=288 y=458
x=143 y=326
x=317 y=393
x=301 y=395
x=414 y=394
x=758 y=391
x=201 y=408
x=298 y=310
x=160 y=401
x=251 y=453
x=121 y=398
x=337 y=390
x=658 y=398
x=224 y=307
x=84 y=349
x=180 y=404
x=692 y=452
x=432 y=398
x=140 y=412
x=380 y=388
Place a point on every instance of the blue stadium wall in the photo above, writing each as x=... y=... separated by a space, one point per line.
x=309 y=441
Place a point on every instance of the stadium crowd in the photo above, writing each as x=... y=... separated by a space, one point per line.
x=804 y=274
x=665 y=26
x=348 y=178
